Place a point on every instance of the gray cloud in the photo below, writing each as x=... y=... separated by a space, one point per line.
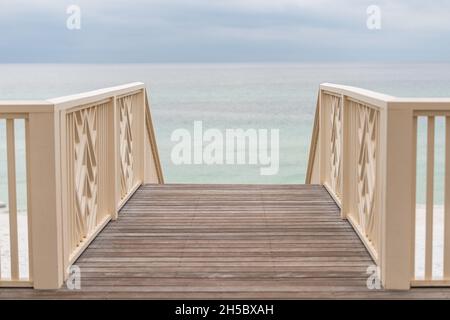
x=233 y=30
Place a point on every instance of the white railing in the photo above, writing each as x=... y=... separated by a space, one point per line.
x=364 y=151
x=85 y=156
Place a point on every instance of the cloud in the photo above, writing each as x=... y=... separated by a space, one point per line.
x=222 y=30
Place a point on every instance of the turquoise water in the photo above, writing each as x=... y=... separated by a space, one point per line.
x=278 y=96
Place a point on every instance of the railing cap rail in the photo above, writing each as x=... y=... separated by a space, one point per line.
x=95 y=96
x=421 y=100
x=25 y=106
x=371 y=97
x=35 y=106
x=386 y=101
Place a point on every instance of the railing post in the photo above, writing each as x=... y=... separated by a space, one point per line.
x=44 y=188
x=148 y=155
x=141 y=137
x=397 y=150
x=113 y=151
x=347 y=159
x=323 y=127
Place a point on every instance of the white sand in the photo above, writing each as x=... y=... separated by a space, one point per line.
x=5 y=259
x=438 y=241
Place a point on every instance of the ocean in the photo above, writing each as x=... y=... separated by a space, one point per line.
x=227 y=96
x=271 y=96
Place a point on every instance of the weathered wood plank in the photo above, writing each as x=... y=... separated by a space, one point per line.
x=226 y=241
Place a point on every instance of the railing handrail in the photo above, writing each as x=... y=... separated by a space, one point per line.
x=367 y=96
x=105 y=138
x=386 y=101
x=25 y=106
x=66 y=102
x=313 y=145
x=152 y=139
x=355 y=129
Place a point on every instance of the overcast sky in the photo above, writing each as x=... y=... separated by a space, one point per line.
x=224 y=31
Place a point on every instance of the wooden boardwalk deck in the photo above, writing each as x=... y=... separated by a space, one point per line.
x=226 y=241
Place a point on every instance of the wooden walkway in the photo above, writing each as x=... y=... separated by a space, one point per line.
x=226 y=241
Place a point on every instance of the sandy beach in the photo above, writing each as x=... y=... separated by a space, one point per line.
x=5 y=260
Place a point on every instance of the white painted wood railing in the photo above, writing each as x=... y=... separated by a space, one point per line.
x=364 y=151
x=85 y=156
